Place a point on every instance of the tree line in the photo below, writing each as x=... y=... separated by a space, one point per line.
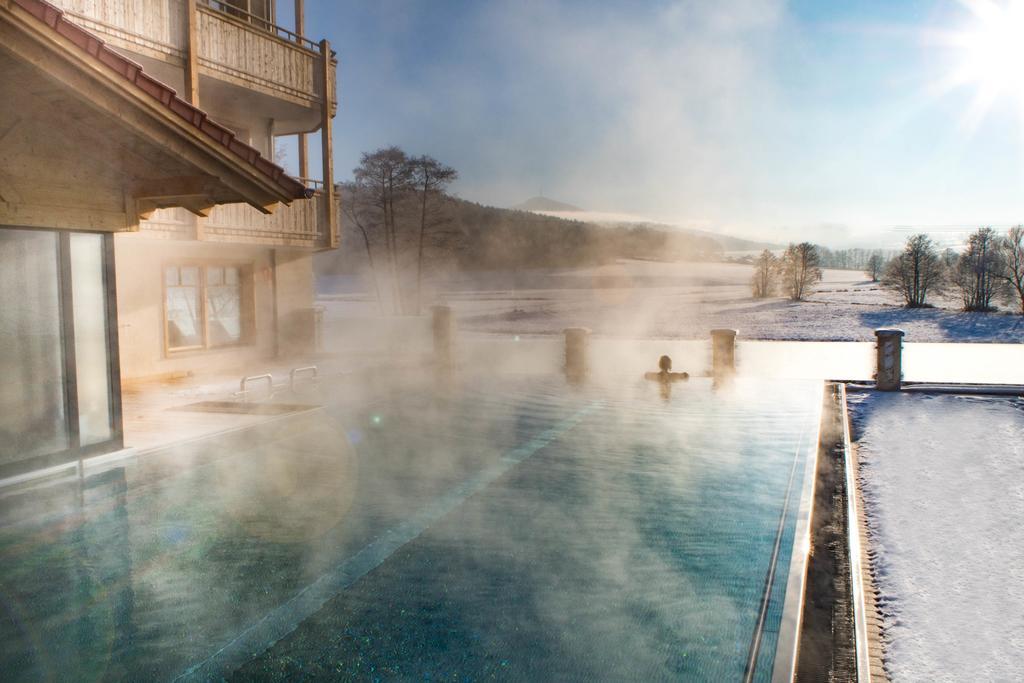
x=868 y=260
x=989 y=269
x=408 y=228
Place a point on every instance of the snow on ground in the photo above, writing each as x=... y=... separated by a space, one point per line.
x=943 y=484
x=643 y=299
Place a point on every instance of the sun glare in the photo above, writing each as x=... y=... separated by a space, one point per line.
x=992 y=49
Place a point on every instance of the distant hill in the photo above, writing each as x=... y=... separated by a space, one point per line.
x=544 y=204
x=489 y=238
x=728 y=242
x=556 y=209
x=474 y=237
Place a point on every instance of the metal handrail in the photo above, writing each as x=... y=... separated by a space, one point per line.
x=299 y=372
x=312 y=182
x=263 y=23
x=252 y=378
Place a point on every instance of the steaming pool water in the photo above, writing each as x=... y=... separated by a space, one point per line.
x=506 y=529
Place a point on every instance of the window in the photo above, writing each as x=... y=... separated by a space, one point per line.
x=224 y=305
x=60 y=396
x=205 y=306
x=258 y=12
x=184 y=317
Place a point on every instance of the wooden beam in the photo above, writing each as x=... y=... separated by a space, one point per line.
x=327 y=145
x=266 y=209
x=131 y=212
x=35 y=215
x=303 y=156
x=191 y=53
x=199 y=208
x=300 y=18
x=176 y=186
x=300 y=30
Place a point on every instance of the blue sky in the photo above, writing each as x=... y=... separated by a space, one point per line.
x=748 y=116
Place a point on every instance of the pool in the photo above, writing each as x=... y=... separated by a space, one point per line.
x=507 y=529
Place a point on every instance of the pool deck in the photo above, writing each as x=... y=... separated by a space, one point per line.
x=872 y=616
x=153 y=415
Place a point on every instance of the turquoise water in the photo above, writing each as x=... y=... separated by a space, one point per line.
x=505 y=530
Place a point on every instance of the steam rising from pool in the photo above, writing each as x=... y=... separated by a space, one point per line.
x=582 y=534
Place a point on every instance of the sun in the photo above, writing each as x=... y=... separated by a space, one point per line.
x=991 y=56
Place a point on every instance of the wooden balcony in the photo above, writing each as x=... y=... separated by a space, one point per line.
x=233 y=45
x=300 y=225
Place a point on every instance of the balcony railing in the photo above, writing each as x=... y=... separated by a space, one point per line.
x=262 y=22
x=242 y=52
x=299 y=225
x=234 y=44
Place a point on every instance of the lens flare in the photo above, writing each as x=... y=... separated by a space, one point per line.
x=991 y=53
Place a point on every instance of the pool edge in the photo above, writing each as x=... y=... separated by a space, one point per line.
x=856 y=545
x=784 y=667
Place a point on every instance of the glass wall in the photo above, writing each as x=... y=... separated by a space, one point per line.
x=58 y=393
x=33 y=417
x=92 y=360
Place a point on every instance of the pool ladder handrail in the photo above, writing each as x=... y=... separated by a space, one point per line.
x=294 y=377
x=243 y=393
x=311 y=370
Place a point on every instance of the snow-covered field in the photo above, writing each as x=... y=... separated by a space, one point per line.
x=943 y=484
x=643 y=299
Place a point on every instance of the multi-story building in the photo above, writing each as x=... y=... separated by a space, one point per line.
x=144 y=229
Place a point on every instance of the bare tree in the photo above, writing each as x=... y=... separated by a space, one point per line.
x=801 y=269
x=398 y=204
x=874 y=265
x=766 y=270
x=351 y=203
x=916 y=271
x=382 y=180
x=1013 y=265
x=430 y=178
x=978 y=269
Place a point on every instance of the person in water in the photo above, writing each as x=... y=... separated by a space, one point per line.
x=665 y=374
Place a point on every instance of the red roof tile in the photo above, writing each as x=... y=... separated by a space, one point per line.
x=166 y=95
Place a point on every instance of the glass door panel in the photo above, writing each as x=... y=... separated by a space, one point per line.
x=92 y=359
x=33 y=420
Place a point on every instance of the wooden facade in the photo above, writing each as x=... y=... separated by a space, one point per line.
x=298 y=225
x=259 y=79
x=230 y=48
x=111 y=175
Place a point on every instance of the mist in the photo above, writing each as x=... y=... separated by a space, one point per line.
x=505 y=340
x=758 y=118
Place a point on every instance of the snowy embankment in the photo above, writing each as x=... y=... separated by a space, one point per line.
x=642 y=299
x=942 y=479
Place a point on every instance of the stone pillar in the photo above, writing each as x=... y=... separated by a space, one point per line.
x=576 y=342
x=444 y=337
x=889 y=370
x=723 y=352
